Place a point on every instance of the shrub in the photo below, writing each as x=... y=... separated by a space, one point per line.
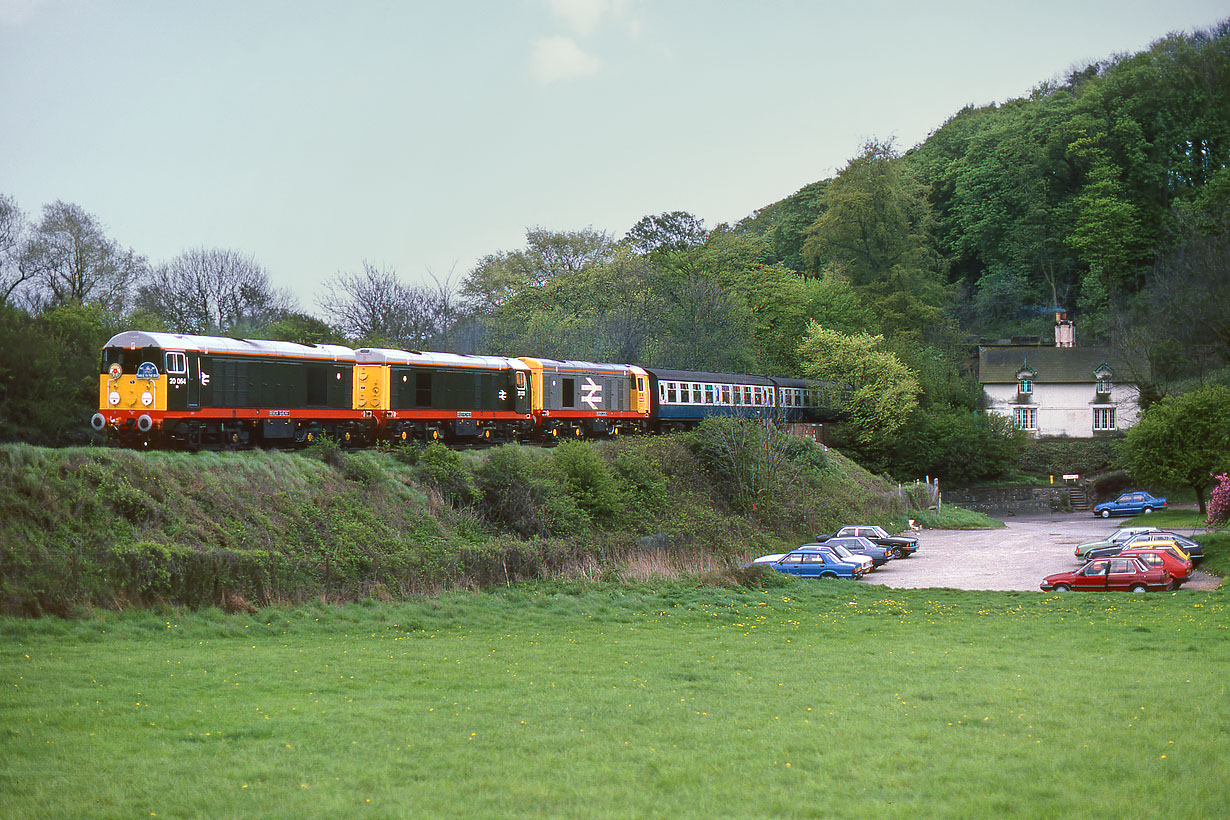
x=589 y=481
x=445 y=470
x=1219 y=501
x=520 y=493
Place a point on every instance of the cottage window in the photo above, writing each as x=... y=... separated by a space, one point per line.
x=1025 y=385
x=1025 y=418
x=1103 y=418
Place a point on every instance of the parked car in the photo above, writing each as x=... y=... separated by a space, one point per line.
x=1189 y=545
x=862 y=546
x=1151 y=540
x=844 y=554
x=1110 y=574
x=1119 y=536
x=1133 y=503
x=1168 y=558
x=813 y=563
x=906 y=545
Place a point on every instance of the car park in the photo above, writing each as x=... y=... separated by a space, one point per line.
x=1108 y=574
x=812 y=563
x=1135 y=502
x=862 y=546
x=906 y=545
x=1118 y=537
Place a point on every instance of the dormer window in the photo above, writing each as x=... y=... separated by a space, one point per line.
x=1102 y=375
x=1025 y=380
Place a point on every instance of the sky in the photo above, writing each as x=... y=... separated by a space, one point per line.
x=423 y=136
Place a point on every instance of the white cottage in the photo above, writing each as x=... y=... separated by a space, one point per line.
x=1078 y=392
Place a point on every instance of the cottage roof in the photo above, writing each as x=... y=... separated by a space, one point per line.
x=1060 y=365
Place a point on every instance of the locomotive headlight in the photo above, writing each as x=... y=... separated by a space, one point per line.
x=147 y=398
x=113 y=397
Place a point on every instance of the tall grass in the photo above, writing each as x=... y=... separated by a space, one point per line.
x=569 y=699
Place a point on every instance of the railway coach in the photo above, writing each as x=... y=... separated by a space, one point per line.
x=165 y=389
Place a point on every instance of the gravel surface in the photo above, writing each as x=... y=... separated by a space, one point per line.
x=1016 y=557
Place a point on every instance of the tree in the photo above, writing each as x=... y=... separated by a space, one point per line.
x=674 y=231
x=499 y=277
x=12 y=237
x=885 y=391
x=212 y=290
x=73 y=261
x=1181 y=441
x=376 y=308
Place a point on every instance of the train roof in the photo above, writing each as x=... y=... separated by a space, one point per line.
x=382 y=355
x=591 y=367
x=227 y=344
x=705 y=376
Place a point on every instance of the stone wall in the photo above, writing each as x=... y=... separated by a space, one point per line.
x=1018 y=500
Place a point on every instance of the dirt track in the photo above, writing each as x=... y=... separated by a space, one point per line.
x=1016 y=557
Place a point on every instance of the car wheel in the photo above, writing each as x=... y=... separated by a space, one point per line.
x=825 y=575
x=1139 y=588
x=1148 y=510
x=1105 y=513
x=1062 y=588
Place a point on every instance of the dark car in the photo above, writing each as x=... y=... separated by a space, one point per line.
x=1189 y=545
x=905 y=545
x=1133 y=503
x=1151 y=540
x=1110 y=574
x=861 y=546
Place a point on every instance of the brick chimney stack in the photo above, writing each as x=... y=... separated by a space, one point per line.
x=1065 y=331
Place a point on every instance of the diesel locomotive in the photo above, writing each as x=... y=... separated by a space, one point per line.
x=209 y=392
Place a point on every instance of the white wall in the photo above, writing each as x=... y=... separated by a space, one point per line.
x=1066 y=409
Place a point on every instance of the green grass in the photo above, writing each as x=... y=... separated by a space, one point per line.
x=1187 y=519
x=809 y=700
x=951 y=517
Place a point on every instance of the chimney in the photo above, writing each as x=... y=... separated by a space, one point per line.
x=1065 y=330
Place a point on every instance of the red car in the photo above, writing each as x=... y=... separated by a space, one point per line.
x=1168 y=559
x=1111 y=573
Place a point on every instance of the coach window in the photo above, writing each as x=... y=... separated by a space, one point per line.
x=747 y=395
x=708 y=394
x=177 y=363
x=726 y=394
x=671 y=393
x=696 y=399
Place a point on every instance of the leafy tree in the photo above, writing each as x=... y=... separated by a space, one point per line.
x=885 y=391
x=1219 y=501
x=674 y=231
x=304 y=329
x=499 y=277
x=1182 y=440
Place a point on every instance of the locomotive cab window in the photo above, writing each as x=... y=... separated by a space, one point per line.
x=569 y=392
x=177 y=363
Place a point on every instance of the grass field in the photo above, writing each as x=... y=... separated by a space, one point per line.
x=809 y=700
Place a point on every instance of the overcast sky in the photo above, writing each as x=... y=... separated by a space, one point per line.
x=425 y=135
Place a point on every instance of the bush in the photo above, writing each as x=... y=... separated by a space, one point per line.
x=590 y=483
x=521 y=493
x=445 y=470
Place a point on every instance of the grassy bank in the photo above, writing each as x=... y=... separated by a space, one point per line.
x=560 y=700
x=93 y=528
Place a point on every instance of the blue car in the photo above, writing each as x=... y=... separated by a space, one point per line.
x=812 y=563
x=1133 y=503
